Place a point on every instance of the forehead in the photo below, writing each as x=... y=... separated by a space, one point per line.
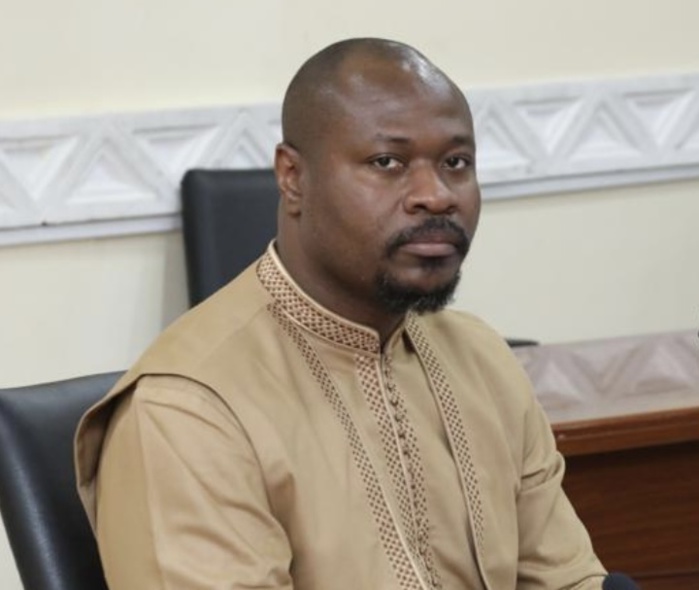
x=398 y=99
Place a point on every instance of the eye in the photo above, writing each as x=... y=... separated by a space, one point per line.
x=457 y=163
x=386 y=162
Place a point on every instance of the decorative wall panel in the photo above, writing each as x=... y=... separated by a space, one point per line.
x=120 y=173
x=614 y=377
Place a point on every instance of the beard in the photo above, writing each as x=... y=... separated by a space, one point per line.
x=398 y=298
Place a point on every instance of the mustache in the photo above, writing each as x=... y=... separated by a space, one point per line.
x=441 y=225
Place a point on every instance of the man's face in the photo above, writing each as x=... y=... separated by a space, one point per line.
x=390 y=195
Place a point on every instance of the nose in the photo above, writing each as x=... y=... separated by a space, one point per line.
x=428 y=191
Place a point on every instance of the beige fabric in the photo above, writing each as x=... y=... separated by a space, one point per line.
x=264 y=442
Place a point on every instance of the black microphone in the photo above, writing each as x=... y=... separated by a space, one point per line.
x=617 y=581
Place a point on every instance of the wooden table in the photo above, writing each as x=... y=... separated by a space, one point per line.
x=634 y=481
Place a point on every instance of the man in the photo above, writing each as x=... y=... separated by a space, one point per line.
x=318 y=423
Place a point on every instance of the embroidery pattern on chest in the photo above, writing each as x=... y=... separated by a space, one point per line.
x=402 y=455
x=453 y=423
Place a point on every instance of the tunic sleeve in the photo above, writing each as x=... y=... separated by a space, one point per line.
x=555 y=549
x=181 y=500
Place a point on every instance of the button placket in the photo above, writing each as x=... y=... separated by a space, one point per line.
x=407 y=444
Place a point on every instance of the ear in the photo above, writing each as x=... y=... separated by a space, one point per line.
x=288 y=169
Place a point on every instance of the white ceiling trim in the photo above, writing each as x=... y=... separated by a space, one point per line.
x=119 y=174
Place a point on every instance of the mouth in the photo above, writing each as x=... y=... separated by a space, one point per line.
x=435 y=238
x=434 y=247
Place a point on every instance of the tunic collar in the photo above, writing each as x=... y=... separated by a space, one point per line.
x=309 y=313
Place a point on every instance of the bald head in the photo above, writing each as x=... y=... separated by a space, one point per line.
x=317 y=93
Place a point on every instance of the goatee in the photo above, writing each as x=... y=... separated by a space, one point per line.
x=399 y=298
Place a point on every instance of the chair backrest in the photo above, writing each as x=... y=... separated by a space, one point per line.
x=228 y=218
x=48 y=531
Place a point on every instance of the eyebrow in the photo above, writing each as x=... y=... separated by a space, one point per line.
x=465 y=140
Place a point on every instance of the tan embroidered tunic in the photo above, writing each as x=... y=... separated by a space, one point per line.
x=264 y=442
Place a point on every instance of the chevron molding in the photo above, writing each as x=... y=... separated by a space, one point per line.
x=119 y=173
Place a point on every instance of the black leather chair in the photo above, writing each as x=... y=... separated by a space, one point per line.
x=45 y=523
x=228 y=218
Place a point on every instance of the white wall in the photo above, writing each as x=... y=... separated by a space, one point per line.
x=588 y=265
x=561 y=267
x=81 y=56
x=88 y=306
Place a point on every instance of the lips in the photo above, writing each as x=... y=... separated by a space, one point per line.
x=435 y=237
x=433 y=248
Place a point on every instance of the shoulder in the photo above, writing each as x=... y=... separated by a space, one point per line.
x=223 y=326
x=471 y=351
